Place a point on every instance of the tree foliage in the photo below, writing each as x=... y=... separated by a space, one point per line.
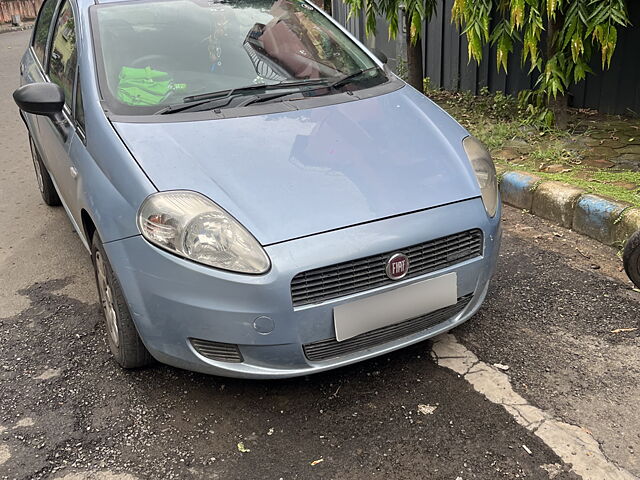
x=558 y=37
x=418 y=12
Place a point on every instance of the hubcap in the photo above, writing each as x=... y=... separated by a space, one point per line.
x=106 y=299
x=36 y=165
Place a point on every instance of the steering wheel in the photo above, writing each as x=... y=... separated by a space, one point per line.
x=152 y=59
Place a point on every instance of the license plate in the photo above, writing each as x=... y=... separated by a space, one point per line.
x=371 y=313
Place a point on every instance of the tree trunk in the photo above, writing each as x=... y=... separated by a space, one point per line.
x=559 y=107
x=414 y=57
x=559 y=104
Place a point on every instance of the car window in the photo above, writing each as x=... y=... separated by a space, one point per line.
x=149 y=58
x=43 y=25
x=63 y=58
x=79 y=108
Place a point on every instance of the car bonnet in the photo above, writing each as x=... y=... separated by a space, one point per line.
x=298 y=173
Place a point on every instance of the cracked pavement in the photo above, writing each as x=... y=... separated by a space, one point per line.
x=570 y=394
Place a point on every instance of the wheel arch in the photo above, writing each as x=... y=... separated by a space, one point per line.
x=88 y=226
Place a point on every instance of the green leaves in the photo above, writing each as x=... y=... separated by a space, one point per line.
x=475 y=17
x=574 y=29
x=502 y=37
x=418 y=11
x=517 y=13
x=607 y=36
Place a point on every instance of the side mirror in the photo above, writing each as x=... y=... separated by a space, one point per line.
x=380 y=54
x=42 y=98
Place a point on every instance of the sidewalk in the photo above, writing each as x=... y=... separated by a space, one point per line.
x=7 y=27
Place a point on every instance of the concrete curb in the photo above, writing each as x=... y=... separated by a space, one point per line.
x=609 y=222
x=7 y=28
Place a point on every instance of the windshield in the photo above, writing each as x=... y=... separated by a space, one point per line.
x=155 y=54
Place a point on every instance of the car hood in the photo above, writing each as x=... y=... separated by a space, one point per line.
x=297 y=173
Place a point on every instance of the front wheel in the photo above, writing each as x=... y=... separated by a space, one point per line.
x=45 y=184
x=122 y=336
x=631 y=258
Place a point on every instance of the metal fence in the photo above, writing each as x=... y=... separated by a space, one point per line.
x=446 y=63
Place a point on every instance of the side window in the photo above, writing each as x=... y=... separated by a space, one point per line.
x=79 y=109
x=63 y=59
x=43 y=25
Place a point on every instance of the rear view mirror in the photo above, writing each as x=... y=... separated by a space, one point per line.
x=42 y=98
x=380 y=54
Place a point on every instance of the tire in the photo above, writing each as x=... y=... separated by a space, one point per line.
x=45 y=184
x=631 y=258
x=122 y=336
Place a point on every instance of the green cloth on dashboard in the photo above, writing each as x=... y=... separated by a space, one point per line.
x=145 y=86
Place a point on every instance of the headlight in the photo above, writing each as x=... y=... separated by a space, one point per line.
x=192 y=226
x=485 y=170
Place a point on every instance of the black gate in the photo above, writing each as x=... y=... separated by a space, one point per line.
x=616 y=90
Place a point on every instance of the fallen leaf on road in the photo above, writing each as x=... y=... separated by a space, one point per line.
x=270 y=432
x=502 y=367
x=242 y=448
x=315 y=462
x=622 y=330
x=426 y=409
x=582 y=253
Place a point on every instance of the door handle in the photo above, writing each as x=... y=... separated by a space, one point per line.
x=74 y=172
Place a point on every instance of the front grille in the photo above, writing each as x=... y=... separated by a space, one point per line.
x=223 y=352
x=321 y=284
x=330 y=348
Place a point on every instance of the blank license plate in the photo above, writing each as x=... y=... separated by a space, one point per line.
x=360 y=316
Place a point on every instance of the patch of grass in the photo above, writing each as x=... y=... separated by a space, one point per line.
x=495 y=135
x=554 y=152
x=602 y=183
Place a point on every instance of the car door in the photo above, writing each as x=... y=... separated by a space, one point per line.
x=80 y=160
x=56 y=136
x=33 y=62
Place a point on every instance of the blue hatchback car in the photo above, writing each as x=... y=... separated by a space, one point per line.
x=261 y=196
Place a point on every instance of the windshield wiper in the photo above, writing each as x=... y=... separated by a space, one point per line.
x=336 y=84
x=347 y=78
x=213 y=99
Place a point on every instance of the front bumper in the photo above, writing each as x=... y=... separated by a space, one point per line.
x=172 y=299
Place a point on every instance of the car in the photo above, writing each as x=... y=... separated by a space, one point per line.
x=631 y=258
x=260 y=195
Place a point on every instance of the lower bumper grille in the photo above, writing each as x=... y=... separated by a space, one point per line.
x=331 y=348
x=222 y=352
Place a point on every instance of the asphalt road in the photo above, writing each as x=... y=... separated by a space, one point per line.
x=67 y=411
